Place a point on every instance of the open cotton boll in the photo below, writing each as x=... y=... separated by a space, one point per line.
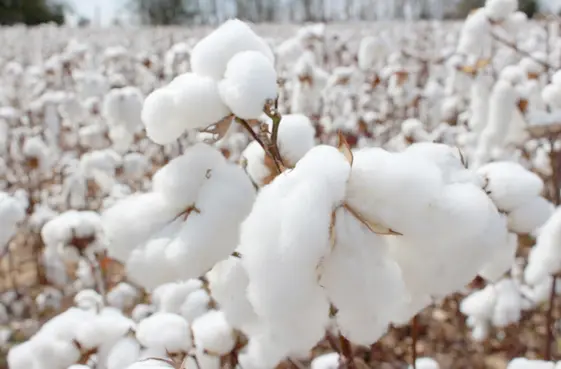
x=502 y=256
x=141 y=312
x=380 y=188
x=254 y=157
x=159 y=116
x=508 y=306
x=197 y=100
x=170 y=296
x=551 y=95
x=509 y=184
x=523 y=363
x=165 y=331
x=224 y=201
x=131 y=221
x=228 y=282
x=21 y=356
x=545 y=257
x=105 y=328
x=285 y=253
x=296 y=136
x=57 y=353
x=210 y=55
x=327 y=361
x=124 y=353
x=11 y=214
x=150 y=364
x=195 y=305
x=213 y=334
x=530 y=215
x=250 y=81
x=426 y=363
x=498 y=10
x=182 y=190
x=122 y=296
x=364 y=283
x=480 y=304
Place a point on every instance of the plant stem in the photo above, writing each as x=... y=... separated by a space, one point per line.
x=347 y=352
x=414 y=332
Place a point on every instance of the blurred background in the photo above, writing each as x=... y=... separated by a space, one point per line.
x=103 y=13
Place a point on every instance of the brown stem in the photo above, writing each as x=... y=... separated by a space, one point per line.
x=346 y=353
x=414 y=332
x=267 y=147
x=549 y=320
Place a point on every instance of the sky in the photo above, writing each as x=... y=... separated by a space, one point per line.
x=110 y=9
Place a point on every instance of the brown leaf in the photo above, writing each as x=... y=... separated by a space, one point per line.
x=345 y=148
x=468 y=69
x=219 y=129
x=533 y=75
x=523 y=105
x=402 y=77
x=482 y=63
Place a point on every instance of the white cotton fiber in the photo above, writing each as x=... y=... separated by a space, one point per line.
x=249 y=82
x=210 y=56
x=165 y=331
x=509 y=184
x=213 y=334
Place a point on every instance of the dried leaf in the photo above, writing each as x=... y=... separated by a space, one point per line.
x=402 y=77
x=482 y=63
x=533 y=75
x=523 y=105
x=218 y=130
x=373 y=227
x=345 y=148
x=469 y=69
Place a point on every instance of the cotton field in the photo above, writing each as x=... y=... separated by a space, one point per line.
x=370 y=195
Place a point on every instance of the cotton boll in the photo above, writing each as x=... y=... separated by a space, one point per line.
x=164 y=331
x=362 y=316
x=228 y=282
x=551 y=95
x=327 y=361
x=169 y=297
x=224 y=200
x=254 y=158
x=545 y=259
x=131 y=221
x=179 y=190
x=195 y=305
x=250 y=81
x=508 y=306
x=163 y=126
x=122 y=296
x=273 y=257
x=510 y=185
x=502 y=256
x=197 y=101
x=151 y=364
x=213 y=334
x=58 y=353
x=21 y=356
x=141 y=312
x=124 y=353
x=500 y=9
x=103 y=329
x=523 y=363
x=210 y=56
x=379 y=188
x=296 y=136
x=426 y=363
x=530 y=216
x=480 y=304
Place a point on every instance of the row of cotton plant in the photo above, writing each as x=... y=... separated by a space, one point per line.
x=281 y=190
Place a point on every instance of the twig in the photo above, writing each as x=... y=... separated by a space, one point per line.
x=414 y=333
x=346 y=352
x=520 y=51
x=549 y=320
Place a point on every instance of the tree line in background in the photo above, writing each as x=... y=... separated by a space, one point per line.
x=31 y=12
x=170 y=12
x=200 y=12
